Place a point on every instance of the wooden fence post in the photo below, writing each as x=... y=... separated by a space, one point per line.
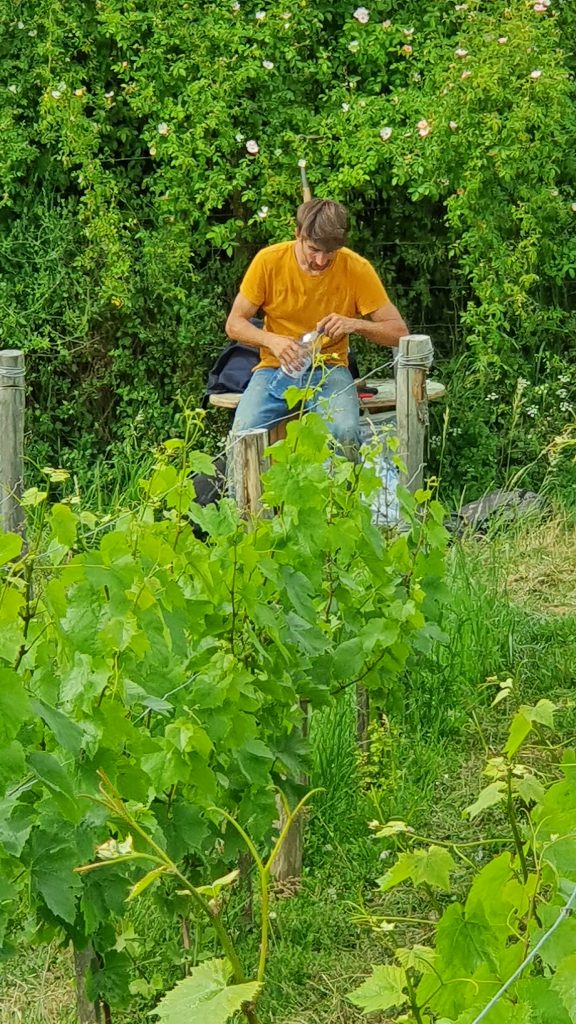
x=246 y=453
x=12 y=373
x=88 y=1012
x=414 y=359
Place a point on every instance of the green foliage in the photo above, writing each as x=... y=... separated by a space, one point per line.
x=205 y=997
x=513 y=901
x=175 y=667
x=130 y=202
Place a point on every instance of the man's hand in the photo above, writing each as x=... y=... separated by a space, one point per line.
x=287 y=351
x=337 y=326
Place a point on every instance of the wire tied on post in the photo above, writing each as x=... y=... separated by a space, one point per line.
x=421 y=361
x=12 y=373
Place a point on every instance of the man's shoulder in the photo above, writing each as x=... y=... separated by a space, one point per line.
x=275 y=253
x=352 y=261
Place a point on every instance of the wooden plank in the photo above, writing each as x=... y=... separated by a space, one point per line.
x=385 y=399
x=12 y=381
x=415 y=355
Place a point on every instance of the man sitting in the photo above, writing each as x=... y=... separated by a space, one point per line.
x=312 y=282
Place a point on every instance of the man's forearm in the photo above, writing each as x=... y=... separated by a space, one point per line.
x=383 y=332
x=240 y=329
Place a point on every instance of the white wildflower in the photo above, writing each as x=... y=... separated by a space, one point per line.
x=263 y=212
x=465 y=74
x=12 y=88
x=353 y=45
x=423 y=128
x=387 y=23
x=536 y=73
x=502 y=40
x=301 y=163
x=56 y=94
x=109 y=95
x=362 y=14
x=453 y=126
x=461 y=52
x=252 y=147
x=239 y=137
x=345 y=107
x=260 y=15
x=408 y=32
x=20 y=25
x=163 y=128
x=268 y=64
x=236 y=7
x=406 y=49
x=385 y=134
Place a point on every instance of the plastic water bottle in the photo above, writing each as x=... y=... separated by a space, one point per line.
x=286 y=377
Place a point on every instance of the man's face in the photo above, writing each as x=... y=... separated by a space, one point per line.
x=315 y=260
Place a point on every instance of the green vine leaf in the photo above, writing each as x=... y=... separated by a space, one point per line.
x=524 y=720
x=422 y=867
x=205 y=996
x=382 y=990
x=564 y=984
x=490 y=795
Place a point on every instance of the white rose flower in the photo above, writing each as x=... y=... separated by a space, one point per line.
x=362 y=14
x=385 y=134
x=252 y=147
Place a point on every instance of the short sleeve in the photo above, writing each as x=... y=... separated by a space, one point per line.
x=370 y=292
x=253 y=285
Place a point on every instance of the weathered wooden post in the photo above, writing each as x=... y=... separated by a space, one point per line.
x=88 y=1012
x=12 y=373
x=414 y=360
x=248 y=462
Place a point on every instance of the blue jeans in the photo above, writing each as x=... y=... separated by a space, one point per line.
x=336 y=401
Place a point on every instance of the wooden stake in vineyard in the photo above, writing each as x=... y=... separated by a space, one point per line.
x=12 y=384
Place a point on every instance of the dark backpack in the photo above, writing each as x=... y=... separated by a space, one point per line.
x=231 y=371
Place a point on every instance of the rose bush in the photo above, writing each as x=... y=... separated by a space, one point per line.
x=150 y=149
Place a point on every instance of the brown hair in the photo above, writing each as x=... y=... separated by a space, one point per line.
x=323 y=222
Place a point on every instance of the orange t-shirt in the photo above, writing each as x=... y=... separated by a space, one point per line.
x=293 y=301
